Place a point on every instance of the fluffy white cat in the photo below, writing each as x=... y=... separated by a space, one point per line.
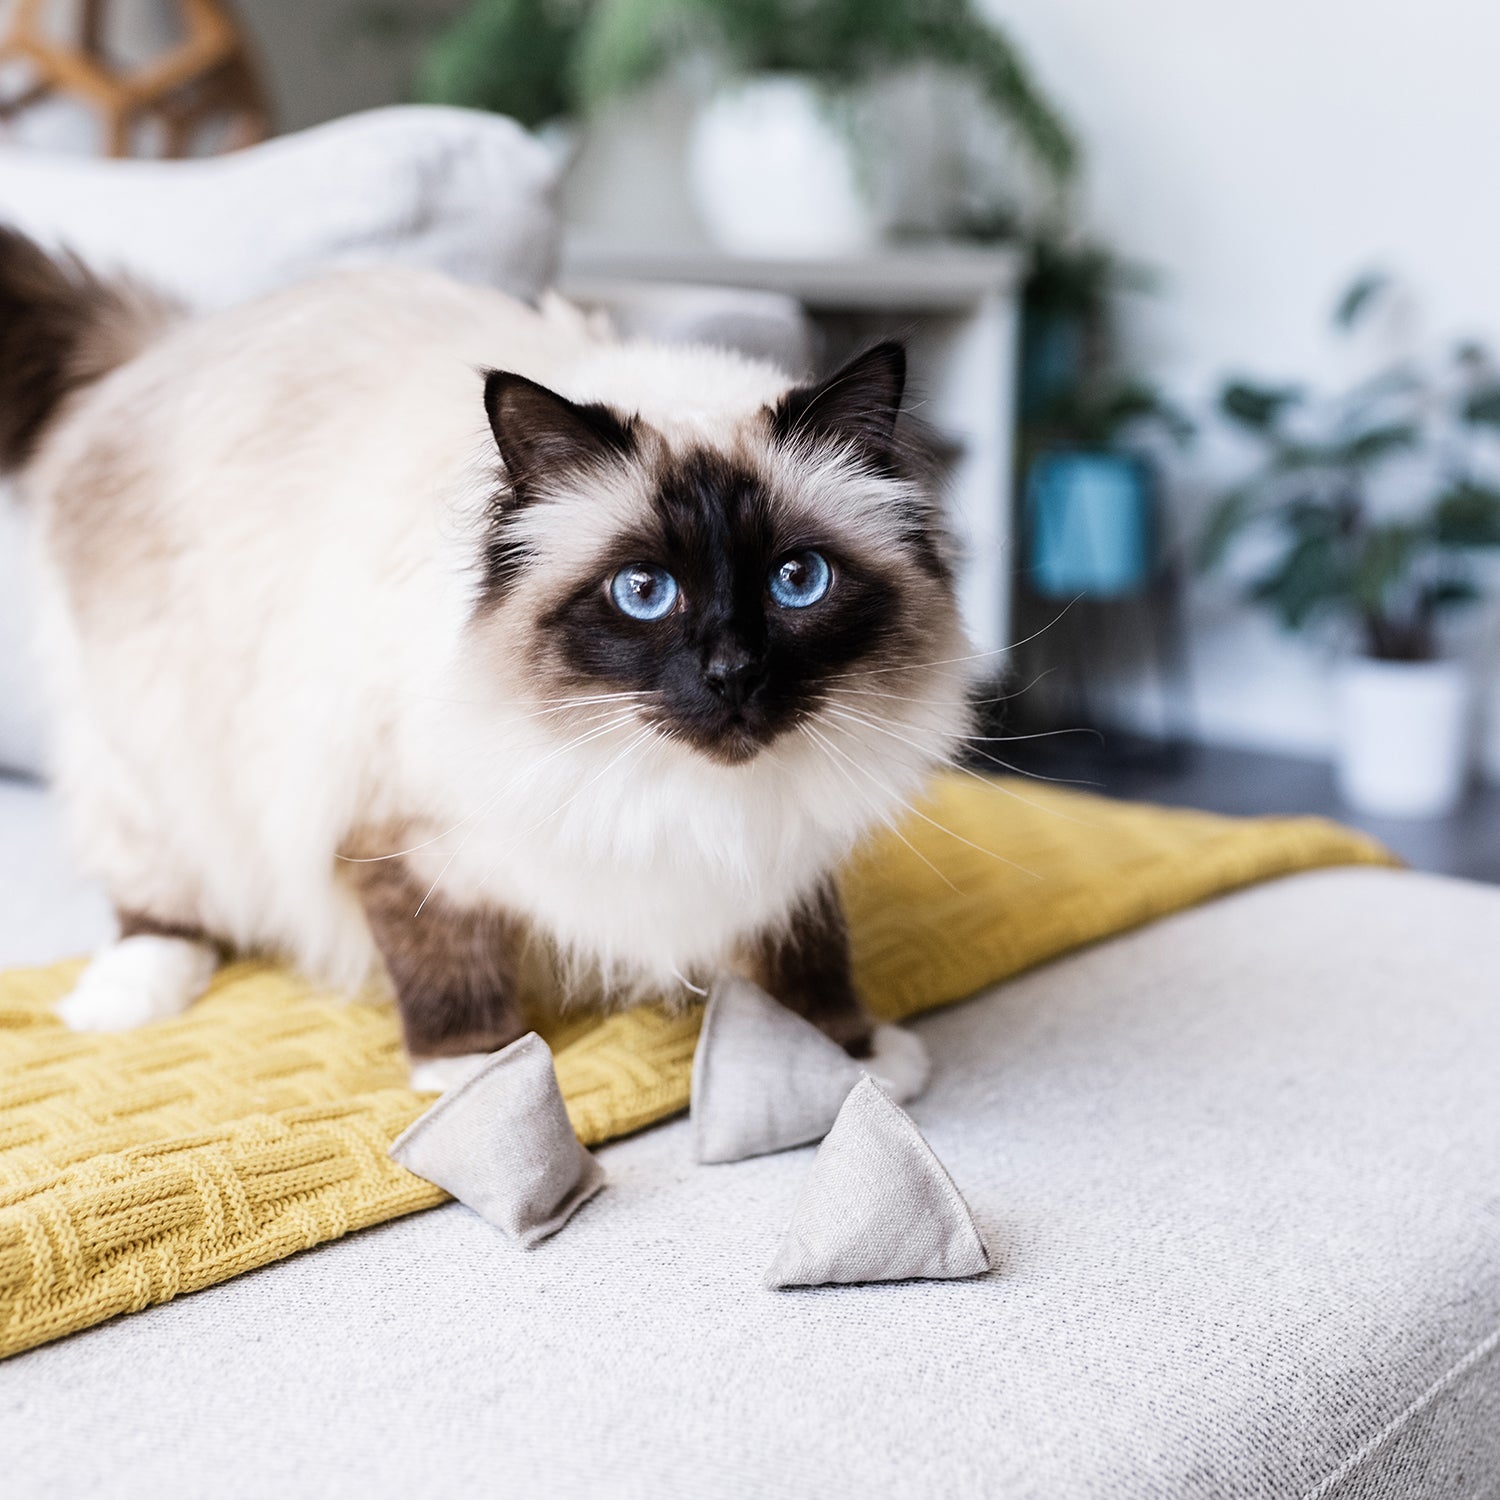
x=389 y=621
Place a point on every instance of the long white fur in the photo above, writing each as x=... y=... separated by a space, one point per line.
x=284 y=649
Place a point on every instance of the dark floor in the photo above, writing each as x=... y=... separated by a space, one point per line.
x=1242 y=781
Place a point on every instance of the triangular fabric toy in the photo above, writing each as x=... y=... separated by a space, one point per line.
x=501 y=1143
x=877 y=1205
x=763 y=1078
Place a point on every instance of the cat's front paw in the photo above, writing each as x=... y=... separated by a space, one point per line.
x=436 y=1075
x=136 y=981
x=898 y=1062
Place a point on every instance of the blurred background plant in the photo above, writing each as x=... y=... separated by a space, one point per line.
x=540 y=59
x=819 y=127
x=1387 y=574
x=514 y=57
x=839 y=44
x=1075 y=388
x=1365 y=518
x=1096 y=535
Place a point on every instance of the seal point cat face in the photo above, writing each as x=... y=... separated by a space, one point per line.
x=729 y=586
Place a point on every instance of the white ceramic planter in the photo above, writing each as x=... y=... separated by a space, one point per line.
x=773 y=175
x=1404 y=736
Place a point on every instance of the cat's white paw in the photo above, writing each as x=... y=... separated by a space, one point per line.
x=898 y=1062
x=436 y=1075
x=137 y=980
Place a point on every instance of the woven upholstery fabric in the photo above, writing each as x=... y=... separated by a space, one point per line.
x=135 y=1167
x=1237 y=1171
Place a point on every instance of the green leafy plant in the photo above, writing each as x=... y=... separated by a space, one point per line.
x=1074 y=393
x=515 y=57
x=1332 y=555
x=536 y=59
x=1079 y=280
x=1100 y=410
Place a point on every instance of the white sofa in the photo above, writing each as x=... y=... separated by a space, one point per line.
x=1239 y=1175
x=1238 y=1171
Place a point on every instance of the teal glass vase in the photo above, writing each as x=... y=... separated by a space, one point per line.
x=1090 y=524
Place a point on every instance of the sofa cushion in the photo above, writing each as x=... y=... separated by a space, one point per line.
x=453 y=189
x=1238 y=1169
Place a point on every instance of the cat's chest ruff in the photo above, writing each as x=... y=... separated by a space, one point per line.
x=659 y=873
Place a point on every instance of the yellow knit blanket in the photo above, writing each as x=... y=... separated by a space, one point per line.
x=139 y=1166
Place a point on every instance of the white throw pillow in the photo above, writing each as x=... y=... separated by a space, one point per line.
x=459 y=190
x=455 y=190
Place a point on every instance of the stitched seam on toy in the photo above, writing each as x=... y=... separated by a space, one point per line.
x=1475 y=1357
x=955 y=1198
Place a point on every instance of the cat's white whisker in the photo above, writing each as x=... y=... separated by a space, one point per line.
x=918 y=813
x=843 y=689
x=971 y=741
x=562 y=703
x=547 y=708
x=884 y=814
x=990 y=781
x=1041 y=734
x=945 y=661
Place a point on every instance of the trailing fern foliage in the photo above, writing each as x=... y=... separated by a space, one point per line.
x=537 y=59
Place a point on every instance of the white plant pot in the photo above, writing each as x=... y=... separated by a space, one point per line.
x=773 y=174
x=1404 y=736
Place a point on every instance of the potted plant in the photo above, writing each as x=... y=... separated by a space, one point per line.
x=514 y=57
x=774 y=159
x=1383 y=570
x=1068 y=316
x=1092 y=497
x=1091 y=494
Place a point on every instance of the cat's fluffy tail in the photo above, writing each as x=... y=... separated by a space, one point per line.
x=62 y=327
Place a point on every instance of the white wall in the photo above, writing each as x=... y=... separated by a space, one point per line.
x=1260 y=155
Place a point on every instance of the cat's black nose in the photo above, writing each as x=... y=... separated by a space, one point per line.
x=733 y=674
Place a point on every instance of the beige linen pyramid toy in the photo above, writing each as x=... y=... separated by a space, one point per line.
x=877 y=1205
x=502 y=1144
x=765 y=1080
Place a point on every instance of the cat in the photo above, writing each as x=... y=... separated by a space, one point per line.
x=396 y=627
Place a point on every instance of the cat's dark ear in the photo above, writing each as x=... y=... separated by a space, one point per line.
x=857 y=404
x=541 y=434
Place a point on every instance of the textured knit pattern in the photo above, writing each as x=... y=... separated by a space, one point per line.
x=139 y=1166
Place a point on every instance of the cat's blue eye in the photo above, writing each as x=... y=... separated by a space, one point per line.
x=643 y=592
x=800 y=579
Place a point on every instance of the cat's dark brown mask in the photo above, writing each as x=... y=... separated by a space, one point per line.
x=730 y=587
